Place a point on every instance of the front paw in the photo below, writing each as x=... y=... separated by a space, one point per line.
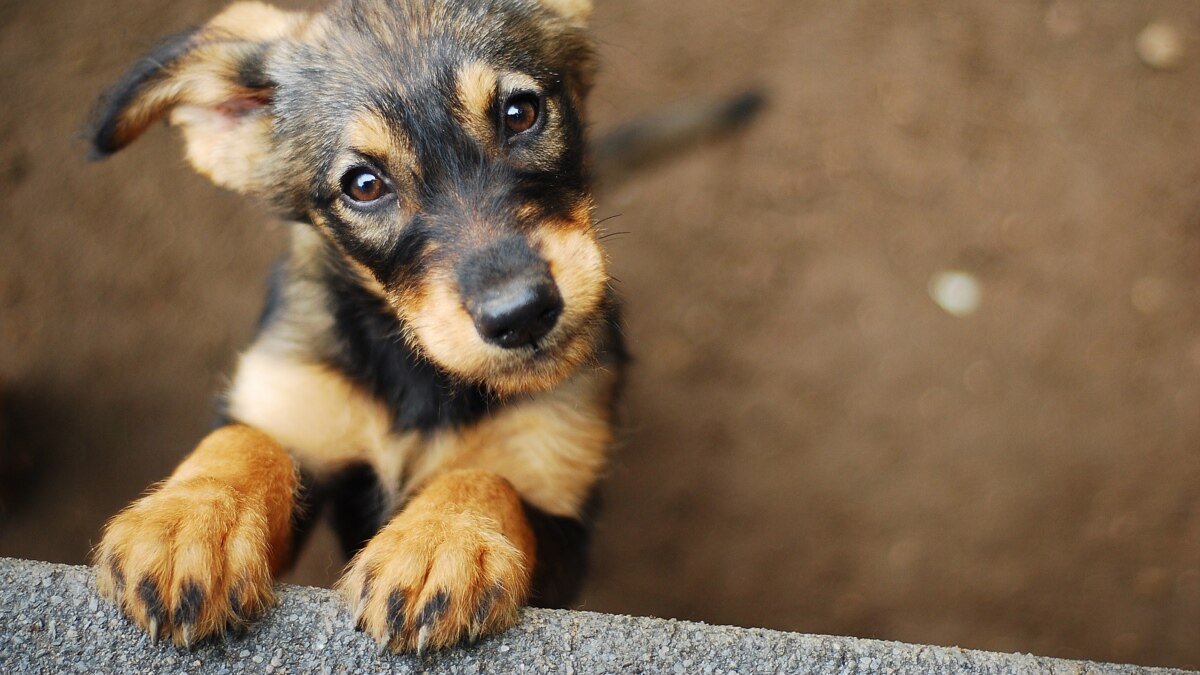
x=187 y=561
x=426 y=582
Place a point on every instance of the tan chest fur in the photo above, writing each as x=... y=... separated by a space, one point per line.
x=551 y=446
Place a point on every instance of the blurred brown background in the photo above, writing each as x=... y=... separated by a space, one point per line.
x=811 y=443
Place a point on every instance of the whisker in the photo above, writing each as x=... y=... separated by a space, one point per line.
x=600 y=222
x=595 y=226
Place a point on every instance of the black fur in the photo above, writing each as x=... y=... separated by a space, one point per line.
x=150 y=595
x=373 y=353
x=562 y=554
x=252 y=71
x=310 y=500
x=359 y=507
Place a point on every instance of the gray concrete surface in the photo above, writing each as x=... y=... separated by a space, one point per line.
x=52 y=622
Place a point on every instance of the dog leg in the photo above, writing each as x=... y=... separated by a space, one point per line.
x=198 y=553
x=454 y=565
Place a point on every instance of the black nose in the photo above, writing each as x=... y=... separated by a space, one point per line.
x=519 y=312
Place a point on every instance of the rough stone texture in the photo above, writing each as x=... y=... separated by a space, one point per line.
x=51 y=621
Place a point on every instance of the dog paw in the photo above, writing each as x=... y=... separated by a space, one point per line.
x=427 y=582
x=187 y=561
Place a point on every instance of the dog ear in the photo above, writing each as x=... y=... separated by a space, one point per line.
x=577 y=11
x=211 y=83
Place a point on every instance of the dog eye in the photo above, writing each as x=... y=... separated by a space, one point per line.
x=520 y=113
x=363 y=185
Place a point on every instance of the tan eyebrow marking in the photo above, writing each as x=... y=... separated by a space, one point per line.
x=477 y=82
x=477 y=85
x=513 y=82
x=369 y=134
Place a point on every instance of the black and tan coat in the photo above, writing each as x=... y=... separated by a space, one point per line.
x=436 y=365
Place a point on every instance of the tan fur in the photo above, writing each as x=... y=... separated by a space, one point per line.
x=513 y=81
x=579 y=267
x=551 y=447
x=578 y=11
x=443 y=329
x=476 y=83
x=447 y=333
x=231 y=148
x=221 y=522
x=369 y=133
x=326 y=421
x=256 y=21
x=465 y=538
x=204 y=76
x=231 y=154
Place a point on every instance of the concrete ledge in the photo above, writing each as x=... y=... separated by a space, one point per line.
x=52 y=622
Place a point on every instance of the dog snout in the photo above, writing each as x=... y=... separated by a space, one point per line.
x=518 y=313
x=510 y=294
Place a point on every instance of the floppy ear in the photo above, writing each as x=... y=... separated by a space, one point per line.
x=577 y=11
x=211 y=83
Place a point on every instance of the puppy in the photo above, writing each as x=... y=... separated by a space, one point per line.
x=436 y=366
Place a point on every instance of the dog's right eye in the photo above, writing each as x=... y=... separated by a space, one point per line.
x=520 y=113
x=363 y=185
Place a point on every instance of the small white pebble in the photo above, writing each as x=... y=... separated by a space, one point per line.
x=93 y=605
x=504 y=648
x=1160 y=45
x=244 y=654
x=958 y=293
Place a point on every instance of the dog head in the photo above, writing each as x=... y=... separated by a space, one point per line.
x=437 y=145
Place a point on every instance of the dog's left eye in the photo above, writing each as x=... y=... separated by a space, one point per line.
x=363 y=185
x=520 y=113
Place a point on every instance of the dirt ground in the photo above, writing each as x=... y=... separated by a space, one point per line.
x=810 y=442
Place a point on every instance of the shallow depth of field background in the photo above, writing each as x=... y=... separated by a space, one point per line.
x=811 y=442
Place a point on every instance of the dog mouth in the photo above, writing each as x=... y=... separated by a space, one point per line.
x=549 y=348
x=542 y=364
